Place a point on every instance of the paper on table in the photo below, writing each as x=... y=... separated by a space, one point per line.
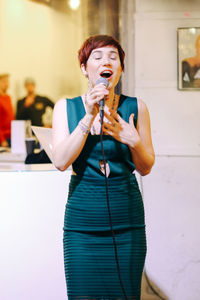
x=44 y=136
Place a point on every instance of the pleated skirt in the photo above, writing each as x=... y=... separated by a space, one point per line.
x=89 y=256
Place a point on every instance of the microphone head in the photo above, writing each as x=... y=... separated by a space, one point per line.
x=102 y=80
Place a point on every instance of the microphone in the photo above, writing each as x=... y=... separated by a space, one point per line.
x=105 y=82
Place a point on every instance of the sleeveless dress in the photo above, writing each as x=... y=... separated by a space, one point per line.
x=89 y=256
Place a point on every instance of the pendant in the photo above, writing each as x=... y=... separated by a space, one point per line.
x=102 y=169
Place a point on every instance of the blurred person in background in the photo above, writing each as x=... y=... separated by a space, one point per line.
x=6 y=111
x=38 y=109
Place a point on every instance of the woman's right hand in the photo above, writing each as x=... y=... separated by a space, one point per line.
x=92 y=98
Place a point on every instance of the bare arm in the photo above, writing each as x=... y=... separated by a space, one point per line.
x=66 y=146
x=142 y=151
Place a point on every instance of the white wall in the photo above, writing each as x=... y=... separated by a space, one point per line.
x=171 y=191
x=41 y=41
x=171 y=196
x=174 y=113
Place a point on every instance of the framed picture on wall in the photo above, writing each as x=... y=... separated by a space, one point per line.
x=188 y=40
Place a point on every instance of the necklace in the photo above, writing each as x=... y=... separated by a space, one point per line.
x=113 y=104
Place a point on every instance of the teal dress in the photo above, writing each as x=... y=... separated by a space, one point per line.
x=89 y=256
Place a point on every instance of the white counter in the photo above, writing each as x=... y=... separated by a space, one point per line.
x=32 y=208
x=19 y=166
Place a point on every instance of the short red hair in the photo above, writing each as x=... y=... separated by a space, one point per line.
x=98 y=41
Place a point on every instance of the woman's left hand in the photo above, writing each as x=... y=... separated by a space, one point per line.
x=122 y=131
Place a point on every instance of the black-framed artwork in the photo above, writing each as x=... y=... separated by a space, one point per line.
x=188 y=39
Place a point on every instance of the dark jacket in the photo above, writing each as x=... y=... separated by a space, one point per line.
x=35 y=111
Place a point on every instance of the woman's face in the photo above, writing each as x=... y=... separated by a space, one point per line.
x=104 y=62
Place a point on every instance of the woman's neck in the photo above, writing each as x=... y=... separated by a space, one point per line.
x=110 y=99
x=30 y=94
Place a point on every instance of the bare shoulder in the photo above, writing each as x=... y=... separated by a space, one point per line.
x=60 y=113
x=60 y=104
x=60 y=123
x=142 y=107
x=143 y=115
x=60 y=109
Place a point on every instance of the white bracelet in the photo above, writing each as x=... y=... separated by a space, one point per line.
x=85 y=128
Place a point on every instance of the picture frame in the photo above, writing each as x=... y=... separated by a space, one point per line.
x=188 y=58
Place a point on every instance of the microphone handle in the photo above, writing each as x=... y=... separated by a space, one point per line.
x=101 y=109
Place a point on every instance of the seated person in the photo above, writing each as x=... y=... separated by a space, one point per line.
x=33 y=107
x=6 y=111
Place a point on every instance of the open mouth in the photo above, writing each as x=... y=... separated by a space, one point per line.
x=106 y=74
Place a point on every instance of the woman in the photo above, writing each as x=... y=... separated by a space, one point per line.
x=99 y=265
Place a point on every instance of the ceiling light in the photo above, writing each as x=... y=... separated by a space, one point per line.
x=74 y=4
